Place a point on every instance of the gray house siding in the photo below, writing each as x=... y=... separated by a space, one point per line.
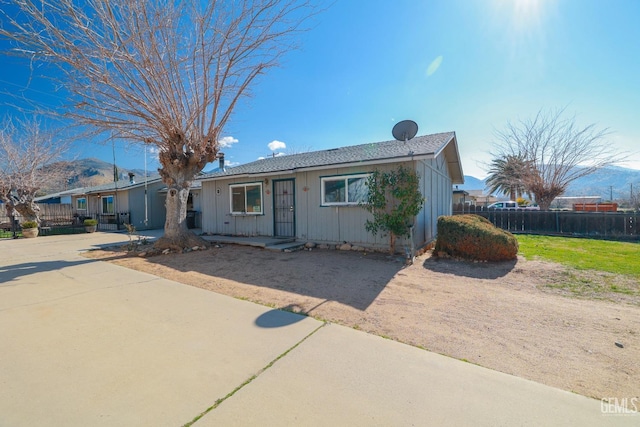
x=313 y=222
x=434 y=157
x=332 y=224
x=156 y=212
x=128 y=198
x=435 y=185
x=216 y=206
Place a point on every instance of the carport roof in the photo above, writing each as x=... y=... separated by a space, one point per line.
x=425 y=146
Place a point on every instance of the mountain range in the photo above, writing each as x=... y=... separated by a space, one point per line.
x=610 y=183
x=90 y=172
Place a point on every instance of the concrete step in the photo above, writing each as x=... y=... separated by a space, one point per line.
x=257 y=241
x=285 y=246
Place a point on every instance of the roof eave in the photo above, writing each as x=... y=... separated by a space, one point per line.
x=452 y=155
x=323 y=167
x=123 y=188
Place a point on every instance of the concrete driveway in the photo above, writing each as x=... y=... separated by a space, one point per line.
x=85 y=342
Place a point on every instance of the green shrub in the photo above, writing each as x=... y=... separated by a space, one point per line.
x=29 y=224
x=473 y=237
x=90 y=222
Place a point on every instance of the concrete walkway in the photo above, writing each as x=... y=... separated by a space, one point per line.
x=88 y=343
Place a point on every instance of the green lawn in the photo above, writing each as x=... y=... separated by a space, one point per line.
x=584 y=254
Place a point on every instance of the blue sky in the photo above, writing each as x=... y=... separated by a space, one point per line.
x=467 y=66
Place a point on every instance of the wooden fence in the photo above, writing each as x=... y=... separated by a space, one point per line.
x=608 y=225
x=62 y=219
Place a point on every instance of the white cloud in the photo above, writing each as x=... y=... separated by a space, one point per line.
x=276 y=145
x=227 y=141
x=280 y=154
x=435 y=64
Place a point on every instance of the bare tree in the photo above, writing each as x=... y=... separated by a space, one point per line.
x=27 y=152
x=167 y=73
x=634 y=200
x=556 y=152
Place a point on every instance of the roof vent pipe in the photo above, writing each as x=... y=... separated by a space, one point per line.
x=131 y=180
x=221 y=161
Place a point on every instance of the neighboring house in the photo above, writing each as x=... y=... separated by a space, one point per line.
x=481 y=198
x=61 y=198
x=315 y=196
x=462 y=197
x=124 y=201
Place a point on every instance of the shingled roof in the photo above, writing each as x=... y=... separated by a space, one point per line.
x=422 y=146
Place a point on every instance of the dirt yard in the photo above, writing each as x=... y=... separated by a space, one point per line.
x=502 y=316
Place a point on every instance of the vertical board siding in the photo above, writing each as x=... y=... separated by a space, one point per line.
x=436 y=187
x=209 y=212
x=217 y=218
x=156 y=210
x=136 y=213
x=335 y=224
x=196 y=197
x=303 y=205
x=327 y=224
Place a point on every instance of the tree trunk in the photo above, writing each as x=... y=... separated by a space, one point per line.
x=544 y=203
x=176 y=204
x=28 y=209
x=178 y=176
x=392 y=243
x=176 y=234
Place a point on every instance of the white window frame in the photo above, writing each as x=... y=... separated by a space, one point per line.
x=344 y=178
x=113 y=203
x=78 y=208
x=245 y=185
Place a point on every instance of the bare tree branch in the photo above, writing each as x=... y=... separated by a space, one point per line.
x=556 y=150
x=27 y=154
x=167 y=73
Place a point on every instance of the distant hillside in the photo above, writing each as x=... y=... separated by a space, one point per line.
x=612 y=180
x=91 y=172
x=472 y=183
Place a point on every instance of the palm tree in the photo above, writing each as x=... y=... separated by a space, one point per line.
x=507 y=175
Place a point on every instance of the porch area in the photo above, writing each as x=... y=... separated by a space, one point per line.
x=278 y=244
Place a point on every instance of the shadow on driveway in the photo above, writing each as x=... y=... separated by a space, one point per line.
x=9 y=273
x=350 y=278
x=479 y=270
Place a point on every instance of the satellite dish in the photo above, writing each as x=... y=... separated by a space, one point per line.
x=405 y=130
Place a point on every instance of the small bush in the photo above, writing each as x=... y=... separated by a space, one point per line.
x=89 y=222
x=29 y=224
x=473 y=237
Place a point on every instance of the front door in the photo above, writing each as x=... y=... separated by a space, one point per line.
x=284 y=208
